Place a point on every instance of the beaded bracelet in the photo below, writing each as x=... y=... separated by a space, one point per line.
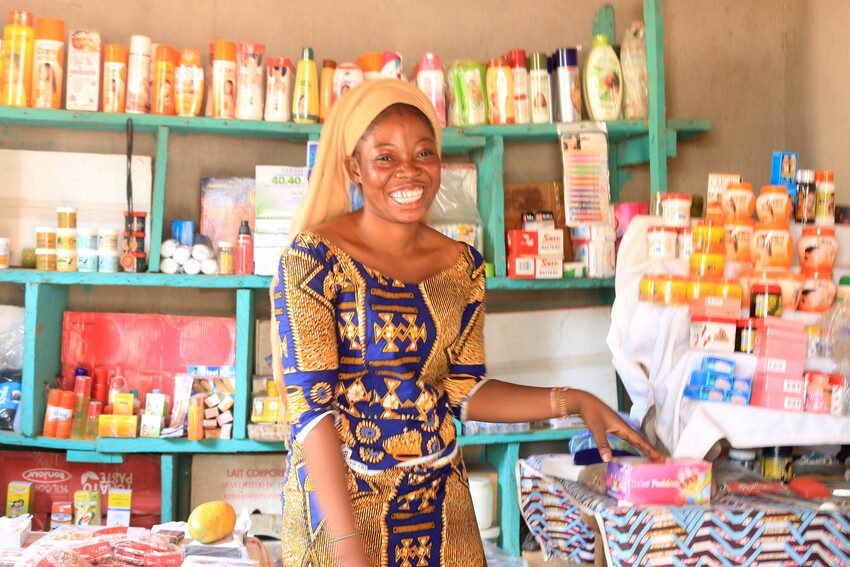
x=559 y=407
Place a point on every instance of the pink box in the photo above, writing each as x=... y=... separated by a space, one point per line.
x=717 y=307
x=779 y=363
x=787 y=325
x=544 y=242
x=535 y=267
x=778 y=401
x=672 y=482
x=779 y=384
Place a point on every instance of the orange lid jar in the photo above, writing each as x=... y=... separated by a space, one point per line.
x=738 y=201
x=772 y=246
x=773 y=205
x=817 y=248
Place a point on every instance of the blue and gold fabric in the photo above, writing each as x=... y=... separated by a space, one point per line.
x=394 y=363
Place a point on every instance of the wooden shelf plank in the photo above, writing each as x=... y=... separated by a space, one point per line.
x=524 y=437
x=183 y=445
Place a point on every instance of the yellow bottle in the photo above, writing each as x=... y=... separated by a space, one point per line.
x=305 y=100
x=18 y=43
x=48 y=61
x=326 y=98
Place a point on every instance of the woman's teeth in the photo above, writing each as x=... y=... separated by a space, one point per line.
x=407 y=196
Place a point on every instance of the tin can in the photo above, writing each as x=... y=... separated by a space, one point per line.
x=45 y=237
x=776 y=463
x=66 y=260
x=107 y=239
x=87 y=260
x=107 y=261
x=134 y=262
x=183 y=231
x=45 y=259
x=67 y=217
x=765 y=300
x=66 y=239
x=86 y=239
x=133 y=242
x=134 y=222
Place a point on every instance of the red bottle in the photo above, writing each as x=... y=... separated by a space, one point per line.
x=244 y=250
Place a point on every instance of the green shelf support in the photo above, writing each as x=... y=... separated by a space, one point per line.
x=654 y=20
x=491 y=200
x=45 y=307
x=503 y=458
x=158 y=197
x=168 y=477
x=244 y=360
x=74 y=456
x=603 y=22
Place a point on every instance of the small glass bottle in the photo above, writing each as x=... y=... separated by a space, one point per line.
x=117 y=385
x=93 y=420
x=195 y=423
x=225 y=258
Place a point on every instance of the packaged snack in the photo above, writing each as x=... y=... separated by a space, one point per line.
x=674 y=482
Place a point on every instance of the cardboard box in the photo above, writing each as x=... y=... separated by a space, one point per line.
x=267 y=409
x=110 y=425
x=14 y=532
x=279 y=191
x=225 y=203
x=87 y=507
x=118 y=507
x=263 y=347
x=672 y=482
x=252 y=481
x=547 y=242
x=61 y=514
x=535 y=267
x=764 y=383
x=20 y=497
x=778 y=401
x=151 y=426
x=55 y=480
x=82 y=86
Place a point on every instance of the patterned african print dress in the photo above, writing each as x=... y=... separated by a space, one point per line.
x=393 y=362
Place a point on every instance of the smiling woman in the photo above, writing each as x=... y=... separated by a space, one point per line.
x=379 y=324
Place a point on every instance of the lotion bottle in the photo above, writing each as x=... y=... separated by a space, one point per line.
x=603 y=76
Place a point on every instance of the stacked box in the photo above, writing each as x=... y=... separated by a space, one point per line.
x=536 y=254
x=279 y=192
x=715 y=381
x=781 y=349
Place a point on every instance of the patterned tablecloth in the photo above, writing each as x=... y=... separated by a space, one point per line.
x=732 y=531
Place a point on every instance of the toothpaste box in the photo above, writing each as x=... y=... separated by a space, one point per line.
x=118 y=507
x=671 y=482
x=20 y=497
x=545 y=242
x=535 y=267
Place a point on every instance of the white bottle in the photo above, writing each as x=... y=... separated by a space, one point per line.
x=522 y=110
x=431 y=81
x=603 y=79
x=539 y=89
x=569 y=85
x=138 y=76
x=278 y=90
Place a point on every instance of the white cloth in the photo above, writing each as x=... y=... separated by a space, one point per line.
x=650 y=348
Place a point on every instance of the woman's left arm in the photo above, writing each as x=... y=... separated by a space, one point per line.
x=502 y=402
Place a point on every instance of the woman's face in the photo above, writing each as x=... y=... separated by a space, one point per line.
x=397 y=168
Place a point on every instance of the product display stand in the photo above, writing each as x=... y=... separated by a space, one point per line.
x=46 y=293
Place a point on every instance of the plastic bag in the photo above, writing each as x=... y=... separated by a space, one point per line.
x=12 y=347
x=583 y=440
x=455 y=214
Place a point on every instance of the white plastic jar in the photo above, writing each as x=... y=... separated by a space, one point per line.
x=676 y=209
x=662 y=241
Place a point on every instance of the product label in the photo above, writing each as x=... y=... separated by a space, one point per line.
x=569 y=93
x=541 y=111
x=138 y=83
x=55 y=413
x=778 y=365
x=793 y=404
x=603 y=85
x=83 y=89
x=189 y=90
x=48 y=58
x=10 y=395
x=224 y=89
x=789 y=386
x=522 y=110
x=278 y=94
x=825 y=207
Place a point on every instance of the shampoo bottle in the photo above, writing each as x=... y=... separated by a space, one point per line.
x=279 y=90
x=602 y=81
x=305 y=100
x=18 y=43
x=431 y=80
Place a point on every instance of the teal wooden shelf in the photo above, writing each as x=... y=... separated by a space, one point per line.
x=183 y=445
x=505 y=283
x=252 y=282
x=10 y=438
x=147 y=279
x=618 y=130
x=524 y=437
x=454 y=141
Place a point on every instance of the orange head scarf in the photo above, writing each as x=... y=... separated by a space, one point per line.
x=327 y=194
